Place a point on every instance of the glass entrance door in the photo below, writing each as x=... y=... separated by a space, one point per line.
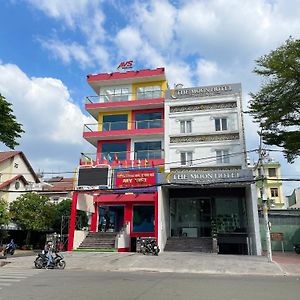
x=191 y=217
x=111 y=218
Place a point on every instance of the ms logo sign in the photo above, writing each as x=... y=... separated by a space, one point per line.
x=125 y=65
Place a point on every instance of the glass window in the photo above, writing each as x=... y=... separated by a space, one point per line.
x=148 y=120
x=221 y=124
x=274 y=192
x=114 y=151
x=143 y=218
x=272 y=172
x=147 y=150
x=186 y=158
x=222 y=156
x=115 y=122
x=186 y=126
x=114 y=94
x=148 y=92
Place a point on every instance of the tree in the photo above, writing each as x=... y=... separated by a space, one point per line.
x=32 y=212
x=64 y=209
x=4 y=219
x=276 y=106
x=10 y=130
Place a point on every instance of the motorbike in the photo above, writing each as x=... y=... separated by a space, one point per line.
x=9 y=249
x=297 y=248
x=149 y=246
x=58 y=261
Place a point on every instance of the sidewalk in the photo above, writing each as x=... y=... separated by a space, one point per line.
x=189 y=262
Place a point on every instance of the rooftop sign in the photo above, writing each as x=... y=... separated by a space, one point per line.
x=125 y=65
x=205 y=91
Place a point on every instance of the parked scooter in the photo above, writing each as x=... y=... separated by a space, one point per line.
x=297 y=248
x=10 y=248
x=149 y=246
x=57 y=263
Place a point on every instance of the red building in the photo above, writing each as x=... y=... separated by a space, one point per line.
x=128 y=135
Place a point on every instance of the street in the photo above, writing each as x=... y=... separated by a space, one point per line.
x=77 y=284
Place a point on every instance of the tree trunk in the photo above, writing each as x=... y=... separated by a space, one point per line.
x=27 y=242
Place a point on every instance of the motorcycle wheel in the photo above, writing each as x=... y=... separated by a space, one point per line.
x=38 y=263
x=61 y=264
x=297 y=250
x=4 y=252
x=144 y=251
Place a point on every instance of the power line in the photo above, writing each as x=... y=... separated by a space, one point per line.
x=206 y=159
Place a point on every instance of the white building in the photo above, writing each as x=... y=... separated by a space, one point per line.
x=211 y=191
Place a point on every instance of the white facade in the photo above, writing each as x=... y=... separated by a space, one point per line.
x=205 y=137
x=205 y=143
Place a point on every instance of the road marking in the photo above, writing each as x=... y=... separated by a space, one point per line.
x=9 y=280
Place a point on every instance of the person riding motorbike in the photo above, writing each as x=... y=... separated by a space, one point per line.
x=10 y=248
x=48 y=249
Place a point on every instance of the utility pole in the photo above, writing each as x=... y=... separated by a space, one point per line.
x=264 y=198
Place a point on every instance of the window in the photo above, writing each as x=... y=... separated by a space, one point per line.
x=186 y=158
x=114 y=94
x=148 y=92
x=115 y=122
x=186 y=126
x=143 y=218
x=221 y=124
x=17 y=185
x=272 y=172
x=148 y=120
x=222 y=156
x=114 y=151
x=274 y=192
x=147 y=150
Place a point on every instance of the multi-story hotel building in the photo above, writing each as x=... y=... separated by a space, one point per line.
x=179 y=167
x=128 y=135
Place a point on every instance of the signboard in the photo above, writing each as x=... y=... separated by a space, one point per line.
x=94 y=177
x=216 y=176
x=125 y=65
x=137 y=178
x=204 y=91
x=277 y=236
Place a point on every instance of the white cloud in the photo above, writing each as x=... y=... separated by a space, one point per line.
x=52 y=122
x=68 y=52
x=156 y=19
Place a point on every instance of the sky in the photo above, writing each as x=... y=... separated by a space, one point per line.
x=47 y=47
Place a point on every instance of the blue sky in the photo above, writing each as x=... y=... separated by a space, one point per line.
x=47 y=47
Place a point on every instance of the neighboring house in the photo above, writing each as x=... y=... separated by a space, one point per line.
x=273 y=185
x=57 y=188
x=294 y=199
x=16 y=175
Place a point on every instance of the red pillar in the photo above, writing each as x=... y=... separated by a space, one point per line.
x=94 y=221
x=156 y=215
x=72 y=221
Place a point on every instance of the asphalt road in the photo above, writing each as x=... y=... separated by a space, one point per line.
x=88 y=285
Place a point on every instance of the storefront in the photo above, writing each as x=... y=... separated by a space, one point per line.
x=218 y=205
x=129 y=209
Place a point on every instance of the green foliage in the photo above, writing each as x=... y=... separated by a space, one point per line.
x=4 y=219
x=32 y=212
x=10 y=130
x=64 y=209
x=4 y=214
x=276 y=106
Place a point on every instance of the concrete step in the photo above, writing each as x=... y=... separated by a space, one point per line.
x=185 y=244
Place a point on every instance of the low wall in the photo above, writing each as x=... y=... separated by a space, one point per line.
x=79 y=236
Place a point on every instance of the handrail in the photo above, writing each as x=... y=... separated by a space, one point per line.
x=119 y=97
x=123 y=125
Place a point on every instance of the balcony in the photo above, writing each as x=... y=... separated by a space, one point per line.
x=123 y=130
x=121 y=101
x=125 y=159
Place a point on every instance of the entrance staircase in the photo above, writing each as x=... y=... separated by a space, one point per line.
x=188 y=244
x=99 y=241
